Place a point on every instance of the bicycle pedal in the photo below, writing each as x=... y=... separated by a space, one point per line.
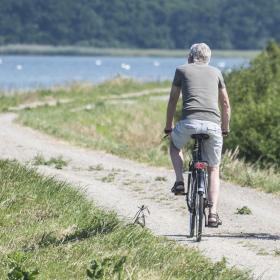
x=180 y=193
x=210 y=204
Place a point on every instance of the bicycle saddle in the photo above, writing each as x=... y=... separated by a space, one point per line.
x=200 y=136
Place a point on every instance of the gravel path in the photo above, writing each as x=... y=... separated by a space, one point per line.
x=246 y=241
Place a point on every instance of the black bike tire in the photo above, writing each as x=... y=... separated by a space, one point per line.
x=199 y=216
x=192 y=202
x=192 y=222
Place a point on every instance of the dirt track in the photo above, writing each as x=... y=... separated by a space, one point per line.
x=248 y=242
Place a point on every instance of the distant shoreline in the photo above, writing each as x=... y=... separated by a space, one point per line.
x=91 y=51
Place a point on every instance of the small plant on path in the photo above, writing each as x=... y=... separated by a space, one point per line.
x=243 y=211
x=98 y=167
x=277 y=252
x=58 y=162
x=39 y=160
x=161 y=178
x=109 y=178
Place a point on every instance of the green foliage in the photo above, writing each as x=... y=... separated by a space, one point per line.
x=255 y=99
x=144 y=24
x=108 y=268
x=17 y=272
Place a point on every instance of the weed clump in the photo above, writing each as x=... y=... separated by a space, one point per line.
x=109 y=178
x=161 y=179
x=277 y=252
x=243 y=211
x=57 y=162
x=98 y=167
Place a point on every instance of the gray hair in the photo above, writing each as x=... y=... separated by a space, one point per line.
x=200 y=52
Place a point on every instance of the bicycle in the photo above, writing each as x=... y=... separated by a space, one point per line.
x=197 y=190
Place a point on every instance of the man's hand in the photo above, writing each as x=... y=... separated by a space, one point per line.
x=225 y=133
x=167 y=130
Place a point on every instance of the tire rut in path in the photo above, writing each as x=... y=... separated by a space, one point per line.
x=248 y=242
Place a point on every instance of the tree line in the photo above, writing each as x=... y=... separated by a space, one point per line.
x=223 y=24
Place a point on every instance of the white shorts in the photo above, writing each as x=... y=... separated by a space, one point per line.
x=211 y=148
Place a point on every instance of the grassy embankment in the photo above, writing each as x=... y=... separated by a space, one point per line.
x=49 y=227
x=128 y=126
x=76 y=50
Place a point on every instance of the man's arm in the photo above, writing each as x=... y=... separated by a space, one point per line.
x=225 y=108
x=171 y=107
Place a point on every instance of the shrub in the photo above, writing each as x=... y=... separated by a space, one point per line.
x=255 y=99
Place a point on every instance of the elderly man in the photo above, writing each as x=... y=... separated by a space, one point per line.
x=203 y=88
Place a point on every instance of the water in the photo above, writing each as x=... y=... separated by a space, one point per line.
x=32 y=72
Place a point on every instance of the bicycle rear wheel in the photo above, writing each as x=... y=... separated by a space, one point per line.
x=192 y=222
x=192 y=203
x=199 y=215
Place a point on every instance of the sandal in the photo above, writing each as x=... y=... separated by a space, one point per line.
x=216 y=221
x=178 y=188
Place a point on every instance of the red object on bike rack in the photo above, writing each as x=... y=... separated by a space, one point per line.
x=200 y=165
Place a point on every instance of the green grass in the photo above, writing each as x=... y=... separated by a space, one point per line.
x=49 y=227
x=76 y=50
x=7 y=102
x=112 y=125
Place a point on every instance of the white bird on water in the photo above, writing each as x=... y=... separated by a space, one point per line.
x=1 y=61
x=222 y=64
x=19 y=67
x=98 y=62
x=125 y=66
x=156 y=63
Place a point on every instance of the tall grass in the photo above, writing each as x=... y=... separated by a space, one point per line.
x=48 y=227
x=248 y=174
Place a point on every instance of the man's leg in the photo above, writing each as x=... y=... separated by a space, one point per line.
x=214 y=187
x=177 y=161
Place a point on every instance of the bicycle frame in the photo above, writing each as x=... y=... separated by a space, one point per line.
x=197 y=188
x=197 y=172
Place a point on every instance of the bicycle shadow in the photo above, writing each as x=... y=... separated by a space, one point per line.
x=242 y=235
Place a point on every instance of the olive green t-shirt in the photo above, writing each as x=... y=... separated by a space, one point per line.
x=200 y=85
